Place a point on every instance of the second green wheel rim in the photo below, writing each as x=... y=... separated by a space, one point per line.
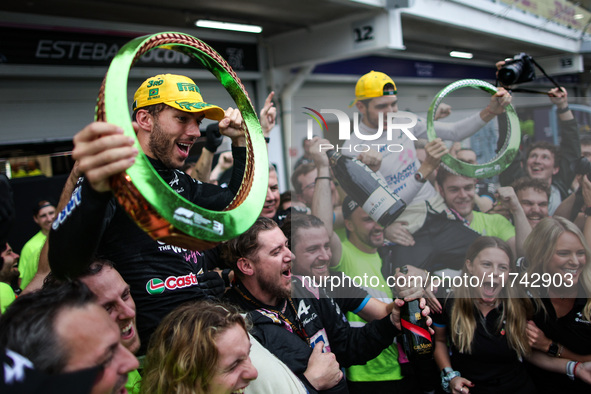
x=508 y=150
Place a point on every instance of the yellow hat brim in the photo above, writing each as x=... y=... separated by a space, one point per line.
x=211 y=111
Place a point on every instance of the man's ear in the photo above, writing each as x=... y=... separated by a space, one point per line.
x=144 y=119
x=360 y=107
x=245 y=266
x=555 y=170
x=348 y=224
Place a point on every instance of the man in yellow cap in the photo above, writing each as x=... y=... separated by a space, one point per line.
x=375 y=94
x=167 y=112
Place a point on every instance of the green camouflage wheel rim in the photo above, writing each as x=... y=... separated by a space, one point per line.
x=508 y=150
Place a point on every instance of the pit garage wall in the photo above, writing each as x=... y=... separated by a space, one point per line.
x=51 y=75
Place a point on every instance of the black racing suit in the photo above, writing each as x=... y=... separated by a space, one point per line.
x=322 y=320
x=161 y=276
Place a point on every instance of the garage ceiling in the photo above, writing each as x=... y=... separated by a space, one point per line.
x=276 y=16
x=422 y=38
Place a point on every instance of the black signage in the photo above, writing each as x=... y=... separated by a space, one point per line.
x=72 y=48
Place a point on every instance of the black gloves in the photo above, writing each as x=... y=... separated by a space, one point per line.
x=212 y=284
x=213 y=137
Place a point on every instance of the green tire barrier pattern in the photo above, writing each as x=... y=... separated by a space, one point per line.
x=150 y=202
x=508 y=150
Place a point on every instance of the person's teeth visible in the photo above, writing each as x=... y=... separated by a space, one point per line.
x=570 y=271
x=125 y=330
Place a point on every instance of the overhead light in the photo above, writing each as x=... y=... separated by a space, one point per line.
x=461 y=55
x=228 y=26
x=578 y=16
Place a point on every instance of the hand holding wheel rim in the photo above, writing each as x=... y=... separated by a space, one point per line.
x=150 y=202
x=510 y=145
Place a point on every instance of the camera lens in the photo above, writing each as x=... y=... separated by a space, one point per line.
x=583 y=166
x=509 y=74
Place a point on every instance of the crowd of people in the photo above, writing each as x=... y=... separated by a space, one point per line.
x=281 y=308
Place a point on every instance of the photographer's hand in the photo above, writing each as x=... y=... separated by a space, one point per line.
x=559 y=97
x=499 y=65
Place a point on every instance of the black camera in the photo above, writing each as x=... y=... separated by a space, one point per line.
x=519 y=70
x=583 y=166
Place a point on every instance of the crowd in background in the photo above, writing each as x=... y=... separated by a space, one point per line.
x=106 y=308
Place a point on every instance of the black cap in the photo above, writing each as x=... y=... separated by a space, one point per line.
x=40 y=204
x=19 y=376
x=349 y=205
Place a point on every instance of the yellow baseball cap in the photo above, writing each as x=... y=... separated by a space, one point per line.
x=372 y=85
x=177 y=91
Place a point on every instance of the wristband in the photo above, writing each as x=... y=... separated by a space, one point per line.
x=562 y=110
x=570 y=369
x=419 y=177
x=447 y=375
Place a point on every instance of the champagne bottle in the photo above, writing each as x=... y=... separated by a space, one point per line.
x=416 y=338
x=366 y=188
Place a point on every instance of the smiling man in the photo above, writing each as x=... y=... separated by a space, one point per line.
x=310 y=244
x=273 y=196
x=300 y=324
x=63 y=330
x=533 y=195
x=550 y=163
x=357 y=256
x=114 y=295
x=543 y=163
x=43 y=215
x=8 y=273
x=458 y=192
x=168 y=110
x=376 y=99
